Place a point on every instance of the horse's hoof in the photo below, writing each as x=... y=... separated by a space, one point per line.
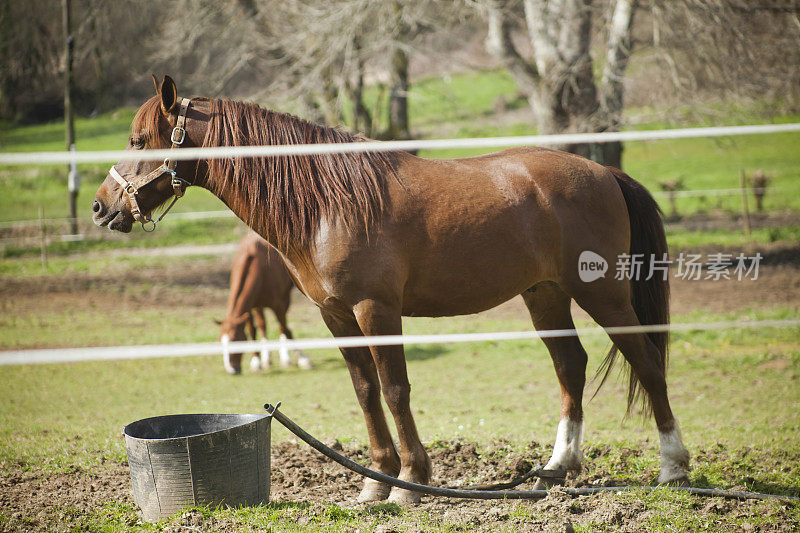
x=674 y=468
x=255 y=364
x=374 y=491
x=404 y=496
x=682 y=481
x=550 y=479
x=545 y=483
x=234 y=371
x=304 y=362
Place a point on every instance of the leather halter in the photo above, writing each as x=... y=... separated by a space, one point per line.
x=179 y=185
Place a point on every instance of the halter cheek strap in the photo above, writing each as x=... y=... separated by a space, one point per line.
x=179 y=185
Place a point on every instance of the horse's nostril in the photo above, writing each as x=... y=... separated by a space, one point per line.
x=98 y=208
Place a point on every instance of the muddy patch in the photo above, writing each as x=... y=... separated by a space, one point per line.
x=311 y=491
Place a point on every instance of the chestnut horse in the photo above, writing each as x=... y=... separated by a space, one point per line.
x=372 y=237
x=259 y=279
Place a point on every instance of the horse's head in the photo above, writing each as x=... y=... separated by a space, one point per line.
x=232 y=328
x=133 y=189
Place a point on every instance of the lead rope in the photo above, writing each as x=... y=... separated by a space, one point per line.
x=272 y=412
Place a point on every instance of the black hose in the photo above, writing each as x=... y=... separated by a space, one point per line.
x=497 y=494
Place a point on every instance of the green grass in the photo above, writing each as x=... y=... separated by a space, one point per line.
x=738 y=409
x=492 y=386
x=682 y=239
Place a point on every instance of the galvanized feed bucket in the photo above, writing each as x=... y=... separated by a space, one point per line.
x=177 y=461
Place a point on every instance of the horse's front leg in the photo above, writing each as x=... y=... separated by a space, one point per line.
x=376 y=318
x=368 y=390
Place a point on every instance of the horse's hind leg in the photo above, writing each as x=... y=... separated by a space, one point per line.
x=303 y=361
x=368 y=391
x=612 y=308
x=549 y=307
x=285 y=356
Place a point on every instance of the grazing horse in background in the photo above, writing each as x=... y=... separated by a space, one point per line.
x=259 y=279
x=371 y=237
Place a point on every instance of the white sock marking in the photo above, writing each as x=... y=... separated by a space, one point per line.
x=285 y=357
x=226 y=354
x=303 y=361
x=567 y=449
x=674 y=456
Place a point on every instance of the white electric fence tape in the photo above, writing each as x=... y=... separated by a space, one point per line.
x=45 y=158
x=72 y=355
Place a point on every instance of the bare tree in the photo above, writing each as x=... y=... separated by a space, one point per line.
x=334 y=47
x=720 y=49
x=220 y=47
x=727 y=49
x=558 y=79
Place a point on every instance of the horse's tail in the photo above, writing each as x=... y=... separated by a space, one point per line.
x=650 y=289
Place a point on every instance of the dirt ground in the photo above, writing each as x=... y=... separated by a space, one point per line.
x=34 y=501
x=205 y=282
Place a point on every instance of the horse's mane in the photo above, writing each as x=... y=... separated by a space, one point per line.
x=294 y=193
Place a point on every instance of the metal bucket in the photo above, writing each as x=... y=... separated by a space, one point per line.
x=177 y=461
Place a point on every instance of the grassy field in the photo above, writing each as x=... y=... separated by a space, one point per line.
x=735 y=392
x=516 y=396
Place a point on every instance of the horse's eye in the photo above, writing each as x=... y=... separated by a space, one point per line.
x=137 y=142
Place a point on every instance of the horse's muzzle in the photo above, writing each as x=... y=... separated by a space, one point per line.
x=115 y=220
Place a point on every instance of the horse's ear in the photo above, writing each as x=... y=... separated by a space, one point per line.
x=155 y=82
x=169 y=95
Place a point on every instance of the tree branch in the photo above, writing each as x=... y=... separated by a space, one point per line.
x=500 y=46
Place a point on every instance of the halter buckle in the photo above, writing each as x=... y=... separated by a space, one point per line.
x=180 y=133
x=149 y=221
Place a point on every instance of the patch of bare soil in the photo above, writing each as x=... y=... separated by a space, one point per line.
x=306 y=482
x=718 y=219
x=183 y=283
x=32 y=500
x=204 y=282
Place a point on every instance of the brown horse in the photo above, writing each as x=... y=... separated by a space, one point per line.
x=259 y=279
x=376 y=236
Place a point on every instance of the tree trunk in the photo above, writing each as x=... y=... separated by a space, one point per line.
x=559 y=81
x=398 y=83
x=6 y=86
x=611 y=86
x=362 y=120
x=398 y=96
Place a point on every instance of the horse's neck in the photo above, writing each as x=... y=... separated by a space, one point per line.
x=260 y=225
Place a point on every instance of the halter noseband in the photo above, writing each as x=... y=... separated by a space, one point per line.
x=179 y=185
